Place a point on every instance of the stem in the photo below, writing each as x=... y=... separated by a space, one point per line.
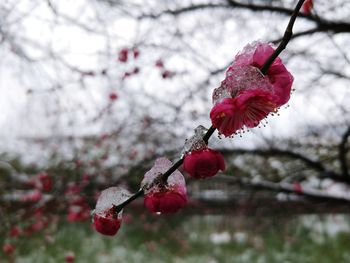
x=119 y=207
x=208 y=134
x=286 y=38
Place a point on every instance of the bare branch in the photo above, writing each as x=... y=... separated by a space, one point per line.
x=343 y=149
x=314 y=164
x=286 y=38
x=286 y=188
x=230 y=4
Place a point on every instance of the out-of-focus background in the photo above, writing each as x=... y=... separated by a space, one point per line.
x=93 y=91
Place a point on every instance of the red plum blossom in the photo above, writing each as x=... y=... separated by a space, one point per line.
x=246 y=96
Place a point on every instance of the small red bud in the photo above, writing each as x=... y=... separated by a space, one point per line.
x=159 y=63
x=167 y=74
x=69 y=257
x=307 y=7
x=113 y=96
x=136 y=52
x=123 y=55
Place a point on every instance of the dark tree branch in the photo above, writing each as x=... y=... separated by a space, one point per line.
x=286 y=188
x=300 y=34
x=322 y=25
x=230 y=4
x=343 y=150
x=286 y=38
x=318 y=166
x=273 y=152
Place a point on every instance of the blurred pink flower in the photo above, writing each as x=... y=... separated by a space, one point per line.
x=32 y=196
x=69 y=257
x=45 y=182
x=307 y=7
x=78 y=213
x=159 y=63
x=8 y=248
x=113 y=96
x=15 y=231
x=136 y=52
x=123 y=55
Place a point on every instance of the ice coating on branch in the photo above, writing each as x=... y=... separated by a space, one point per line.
x=246 y=96
x=111 y=197
x=200 y=130
x=196 y=142
x=152 y=179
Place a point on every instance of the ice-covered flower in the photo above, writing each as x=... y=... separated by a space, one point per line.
x=199 y=160
x=246 y=96
x=204 y=163
x=106 y=220
x=108 y=224
x=163 y=197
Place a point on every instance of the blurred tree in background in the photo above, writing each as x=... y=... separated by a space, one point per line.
x=94 y=90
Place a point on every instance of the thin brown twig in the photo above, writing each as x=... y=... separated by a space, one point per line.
x=286 y=38
x=343 y=149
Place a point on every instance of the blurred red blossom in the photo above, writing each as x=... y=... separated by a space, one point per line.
x=136 y=52
x=32 y=196
x=15 y=231
x=46 y=182
x=123 y=55
x=307 y=6
x=69 y=257
x=159 y=63
x=166 y=74
x=113 y=96
x=8 y=248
